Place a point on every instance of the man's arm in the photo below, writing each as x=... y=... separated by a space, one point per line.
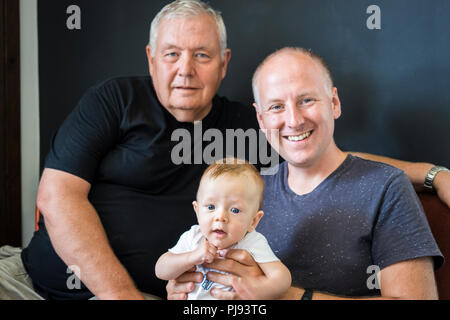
x=407 y=280
x=78 y=236
x=277 y=280
x=410 y=279
x=416 y=172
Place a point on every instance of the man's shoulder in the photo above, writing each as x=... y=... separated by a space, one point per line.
x=373 y=175
x=377 y=169
x=124 y=82
x=125 y=92
x=237 y=110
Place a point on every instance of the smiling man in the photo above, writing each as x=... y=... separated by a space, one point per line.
x=331 y=216
x=302 y=104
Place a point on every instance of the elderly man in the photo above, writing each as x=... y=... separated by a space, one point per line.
x=111 y=200
x=331 y=217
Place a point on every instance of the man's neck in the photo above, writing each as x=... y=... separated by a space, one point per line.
x=304 y=179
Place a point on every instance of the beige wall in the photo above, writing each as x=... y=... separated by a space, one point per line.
x=29 y=114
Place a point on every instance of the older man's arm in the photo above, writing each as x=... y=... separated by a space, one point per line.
x=416 y=172
x=78 y=236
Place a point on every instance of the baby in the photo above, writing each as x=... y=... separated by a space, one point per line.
x=228 y=209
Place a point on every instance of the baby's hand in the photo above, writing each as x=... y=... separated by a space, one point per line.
x=205 y=253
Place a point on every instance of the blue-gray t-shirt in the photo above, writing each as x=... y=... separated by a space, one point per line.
x=364 y=214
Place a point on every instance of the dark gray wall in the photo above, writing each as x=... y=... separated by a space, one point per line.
x=394 y=83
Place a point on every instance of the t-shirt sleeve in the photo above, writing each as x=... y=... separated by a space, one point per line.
x=188 y=241
x=86 y=135
x=402 y=231
x=256 y=244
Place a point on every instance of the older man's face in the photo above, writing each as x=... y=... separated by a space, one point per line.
x=295 y=99
x=187 y=67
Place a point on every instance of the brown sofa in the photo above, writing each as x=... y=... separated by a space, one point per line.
x=438 y=215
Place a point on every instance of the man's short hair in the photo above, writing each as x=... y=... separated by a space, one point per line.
x=235 y=167
x=188 y=9
x=306 y=52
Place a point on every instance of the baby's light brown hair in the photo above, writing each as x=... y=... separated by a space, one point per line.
x=235 y=167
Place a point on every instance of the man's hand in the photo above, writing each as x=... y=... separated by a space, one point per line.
x=441 y=184
x=179 y=288
x=244 y=276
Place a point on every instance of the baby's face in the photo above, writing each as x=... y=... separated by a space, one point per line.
x=227 y=208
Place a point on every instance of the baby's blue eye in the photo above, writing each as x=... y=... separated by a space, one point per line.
x=211 y=207
x=235 y=210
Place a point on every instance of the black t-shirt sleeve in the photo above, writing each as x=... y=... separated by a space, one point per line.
x=86 y=135
x=402 y=231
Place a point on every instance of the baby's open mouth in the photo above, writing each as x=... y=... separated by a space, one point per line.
x=219 y=232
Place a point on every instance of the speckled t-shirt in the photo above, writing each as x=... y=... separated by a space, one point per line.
x=364 y=216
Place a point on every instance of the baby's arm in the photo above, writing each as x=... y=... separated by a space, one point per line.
x=277 y=280
x=171 y=265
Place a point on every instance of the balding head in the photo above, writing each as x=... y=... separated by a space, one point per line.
x=285 y=56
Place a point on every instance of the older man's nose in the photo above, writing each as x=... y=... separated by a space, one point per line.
x=186 y=66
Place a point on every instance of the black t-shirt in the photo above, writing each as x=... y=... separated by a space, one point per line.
x=118 y=139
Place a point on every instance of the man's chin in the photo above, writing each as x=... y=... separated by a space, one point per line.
x=189 y=114
x=184 y=116
x=298 y=160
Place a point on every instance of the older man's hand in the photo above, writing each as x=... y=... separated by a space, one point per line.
x=244 y=275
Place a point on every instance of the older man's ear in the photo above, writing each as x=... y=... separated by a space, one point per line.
x=148 y=51
x=226 y=60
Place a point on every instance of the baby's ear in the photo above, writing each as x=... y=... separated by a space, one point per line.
x=195 y=205
x=256 y=220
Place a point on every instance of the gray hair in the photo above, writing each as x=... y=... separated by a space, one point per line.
x=306 y=52
x=188 y=9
